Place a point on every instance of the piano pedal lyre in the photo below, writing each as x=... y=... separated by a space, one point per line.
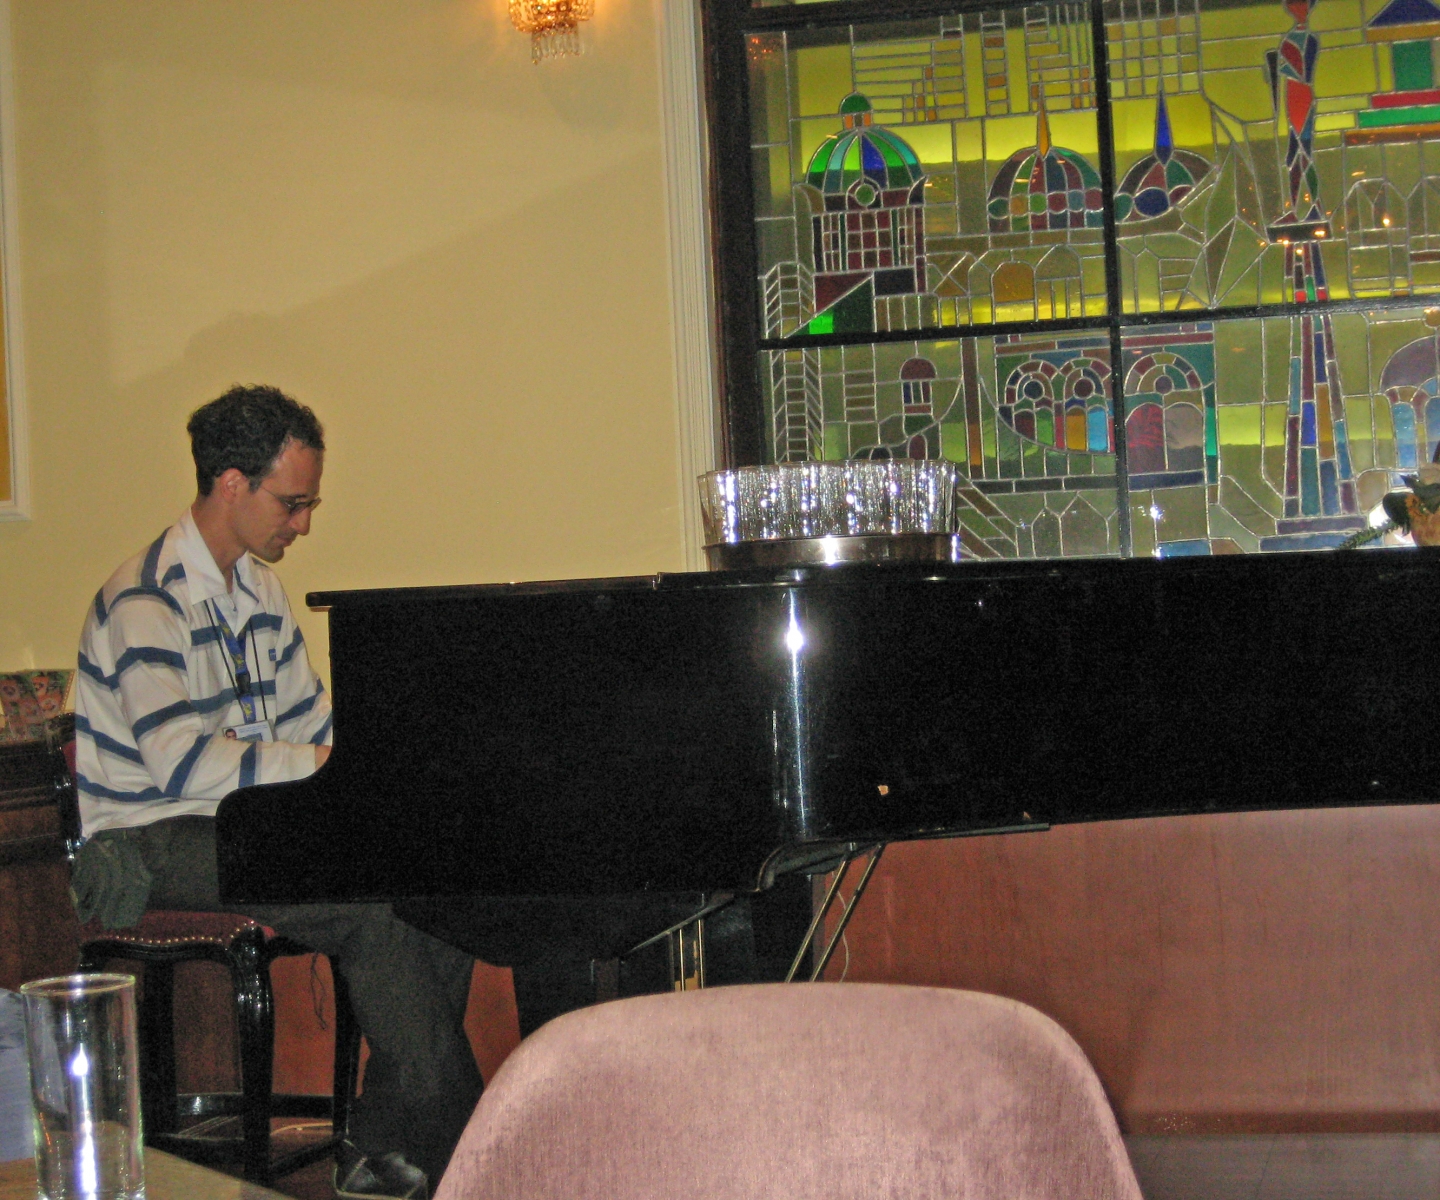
x=687 y=956
x=686 y=942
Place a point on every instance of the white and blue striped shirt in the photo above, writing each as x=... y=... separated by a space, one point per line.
x=156 y=689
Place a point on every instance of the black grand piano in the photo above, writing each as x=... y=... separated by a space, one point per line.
x=711 y=732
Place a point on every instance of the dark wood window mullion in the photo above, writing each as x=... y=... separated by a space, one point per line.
x=1129 y=321
x=732 y=201
x=861 y=12
x=934 y=333
x=1104 y=132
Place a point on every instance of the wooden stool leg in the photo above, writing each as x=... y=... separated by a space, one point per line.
x=157 y=1049
x=255 y=1016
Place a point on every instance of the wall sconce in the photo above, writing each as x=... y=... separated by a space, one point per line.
x=553 y=25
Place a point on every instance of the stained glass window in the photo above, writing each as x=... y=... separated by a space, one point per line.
x=1153 y=273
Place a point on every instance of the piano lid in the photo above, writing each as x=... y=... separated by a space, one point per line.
x=676 y=732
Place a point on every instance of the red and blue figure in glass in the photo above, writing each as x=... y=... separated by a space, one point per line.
x=1295 y=83
x=1319 y=480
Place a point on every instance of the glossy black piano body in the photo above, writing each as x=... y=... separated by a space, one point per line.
x=698 y=732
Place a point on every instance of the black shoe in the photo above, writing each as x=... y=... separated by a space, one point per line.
x=361 y=1176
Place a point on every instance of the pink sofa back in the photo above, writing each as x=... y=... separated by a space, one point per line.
x=797 y=1091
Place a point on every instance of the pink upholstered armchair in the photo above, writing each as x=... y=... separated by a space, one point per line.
x=796 y=1091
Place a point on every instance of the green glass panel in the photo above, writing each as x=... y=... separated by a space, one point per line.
x=855 y=312
x=1414 y=66
x=1416 y=114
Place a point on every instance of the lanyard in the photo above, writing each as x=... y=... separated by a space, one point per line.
x=236 y=668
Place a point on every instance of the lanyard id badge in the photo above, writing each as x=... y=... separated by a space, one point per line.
x=252 y=731
x=256 y=726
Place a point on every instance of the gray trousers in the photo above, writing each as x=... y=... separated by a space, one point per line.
x=408 y=989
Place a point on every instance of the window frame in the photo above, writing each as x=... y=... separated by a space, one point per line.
x=726 y=24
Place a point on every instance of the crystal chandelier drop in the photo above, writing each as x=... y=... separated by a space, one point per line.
x=553 y=25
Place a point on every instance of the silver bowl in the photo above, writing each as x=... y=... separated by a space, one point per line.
x=830 y=551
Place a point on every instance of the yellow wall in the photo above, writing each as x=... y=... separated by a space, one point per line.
x=456 y=257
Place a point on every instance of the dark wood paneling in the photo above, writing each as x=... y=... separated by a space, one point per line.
x=1256 y=971
x=38 y=933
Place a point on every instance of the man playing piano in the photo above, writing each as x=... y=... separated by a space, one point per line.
x=194 y=681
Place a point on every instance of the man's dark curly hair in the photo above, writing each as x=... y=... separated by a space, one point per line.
x=247 y=428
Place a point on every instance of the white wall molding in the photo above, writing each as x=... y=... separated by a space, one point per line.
x=18 y=505
x=682 y=115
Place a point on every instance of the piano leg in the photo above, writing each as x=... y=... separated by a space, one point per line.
x=729 y=939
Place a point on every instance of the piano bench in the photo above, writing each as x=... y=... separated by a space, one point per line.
x=161 y=940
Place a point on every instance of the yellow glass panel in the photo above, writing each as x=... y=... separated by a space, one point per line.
x=899 y=168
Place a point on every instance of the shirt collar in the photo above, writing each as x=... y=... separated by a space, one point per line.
x=203 y=577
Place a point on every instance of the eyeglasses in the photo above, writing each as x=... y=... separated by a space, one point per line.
x=293 y=506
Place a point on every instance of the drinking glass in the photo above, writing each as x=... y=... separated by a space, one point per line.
x=828 y=499
x=85 y=1087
